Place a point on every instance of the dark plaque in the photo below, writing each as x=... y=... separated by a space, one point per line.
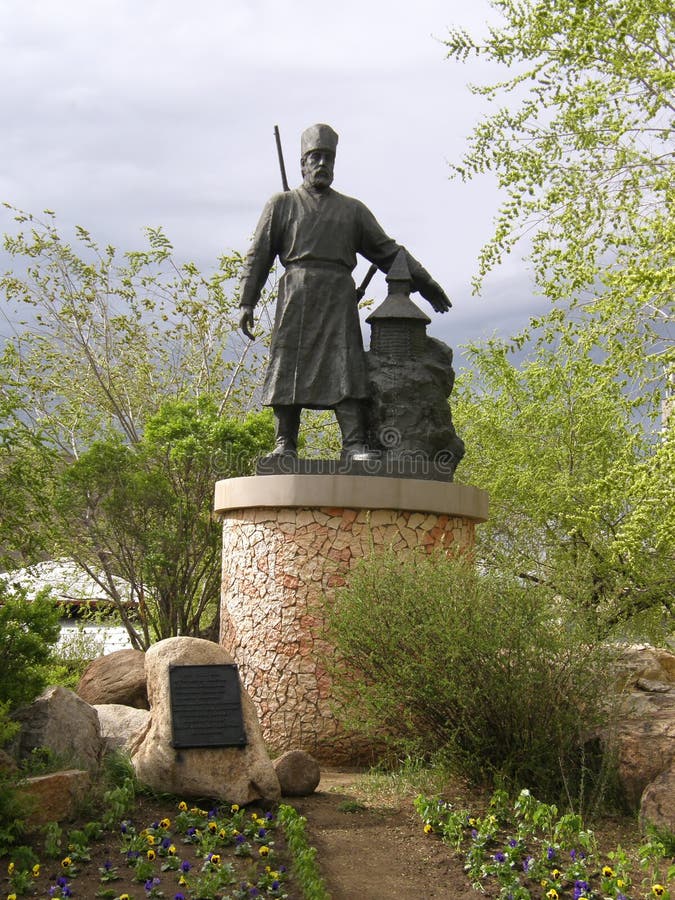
x=206 y=706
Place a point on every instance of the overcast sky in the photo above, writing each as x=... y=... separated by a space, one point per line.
x=120 y=114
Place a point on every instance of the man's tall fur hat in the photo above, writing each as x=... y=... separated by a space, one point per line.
x=318 y=137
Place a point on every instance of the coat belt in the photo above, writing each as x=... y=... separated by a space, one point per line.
x=318 y=264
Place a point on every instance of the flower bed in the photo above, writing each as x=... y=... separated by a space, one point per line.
x=530 y=852
x=193 y=853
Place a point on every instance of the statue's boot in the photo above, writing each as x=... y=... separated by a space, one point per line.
x=287 y=426
x=351 y=416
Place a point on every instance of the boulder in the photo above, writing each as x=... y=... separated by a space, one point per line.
x=642 y=662
x=121 y=725
x=63 y=723
x=657 y=806
x=644 y=732
x=56 y=797
x=232 y=774
x=118 y=677
x=298 y=773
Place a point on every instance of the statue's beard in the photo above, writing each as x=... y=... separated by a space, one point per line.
x=318 y=181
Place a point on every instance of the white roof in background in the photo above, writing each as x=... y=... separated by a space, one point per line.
x=66 y=579
x=90 y=641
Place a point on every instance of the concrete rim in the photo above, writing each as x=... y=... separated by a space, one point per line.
x=351 y=492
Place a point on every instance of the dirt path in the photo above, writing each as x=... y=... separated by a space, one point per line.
x=379 y=854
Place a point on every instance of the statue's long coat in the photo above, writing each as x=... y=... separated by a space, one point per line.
x=316 y=357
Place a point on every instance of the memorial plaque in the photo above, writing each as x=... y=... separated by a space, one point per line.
x=206 y=706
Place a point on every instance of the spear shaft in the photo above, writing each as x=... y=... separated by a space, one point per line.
x=280 y=154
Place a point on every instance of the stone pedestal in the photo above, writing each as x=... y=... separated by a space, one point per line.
x=289 y=540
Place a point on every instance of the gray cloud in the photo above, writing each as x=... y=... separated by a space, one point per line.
x=122 y=114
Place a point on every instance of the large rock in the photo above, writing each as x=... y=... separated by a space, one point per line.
x=657 y=806
x=121 y=726
x=298 y=773
x=118 y=677
x=644 y=733
x=56 y=797
x=640 y=663
x=232 y=774
x=62 y=722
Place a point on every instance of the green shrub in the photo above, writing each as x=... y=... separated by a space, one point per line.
x=28 y=630
x=498 y=679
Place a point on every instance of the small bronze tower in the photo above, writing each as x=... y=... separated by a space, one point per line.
x=398 y=326
x=411 y=379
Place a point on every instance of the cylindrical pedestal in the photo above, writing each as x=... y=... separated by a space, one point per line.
x=288 y=540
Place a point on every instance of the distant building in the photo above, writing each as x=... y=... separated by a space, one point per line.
x=86 y=626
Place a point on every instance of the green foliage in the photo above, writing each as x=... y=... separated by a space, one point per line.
x=76 y=651
x=8 y=728
x=124 y=396
x=583 y=150
x=527 y=849
x=569 y=443
x=579 y=473
x=305 y=867
x=500 y=680
x=28 y=629
x=15 y=808
x=119 y=802
x=43 y=760
x=53 y=840
x=112 y=339
x=140 y=516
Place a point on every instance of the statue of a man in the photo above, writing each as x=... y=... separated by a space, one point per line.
x=317 y=359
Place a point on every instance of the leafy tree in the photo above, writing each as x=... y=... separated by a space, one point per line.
x=124 y=392
x=570 y=444
x=138 y=518
x=583 y=150
x=579 y=474
x=100 y=342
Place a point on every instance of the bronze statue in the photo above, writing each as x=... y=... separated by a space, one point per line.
x=317 y=359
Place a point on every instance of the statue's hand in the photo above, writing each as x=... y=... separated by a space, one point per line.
x=247 y=322
x=435 y=294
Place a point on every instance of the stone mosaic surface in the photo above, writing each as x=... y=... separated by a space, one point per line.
x=276 y=563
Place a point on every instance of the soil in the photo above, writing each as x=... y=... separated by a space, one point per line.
x=369 y=846
x=379 y=853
